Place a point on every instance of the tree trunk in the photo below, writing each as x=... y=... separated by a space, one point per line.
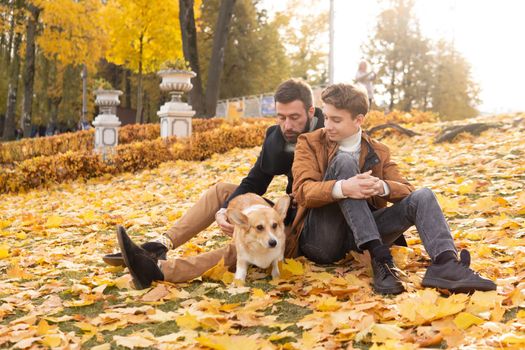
x=189 y=47
x=29 y=70
x=392 y=89
x=53 y=116
x=127 y=89
x=138 y=116
x=11 y=36
x=54 y=97
x=217 y=56
x=12 y=92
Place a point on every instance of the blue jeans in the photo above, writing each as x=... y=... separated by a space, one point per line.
x=330 y=232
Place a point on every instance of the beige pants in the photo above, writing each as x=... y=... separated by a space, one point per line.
x=196 y=219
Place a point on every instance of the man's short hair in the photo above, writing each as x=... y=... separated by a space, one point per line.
x=348 y=97
x=293 y=90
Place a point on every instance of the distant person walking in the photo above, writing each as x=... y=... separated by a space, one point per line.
x=364 y=78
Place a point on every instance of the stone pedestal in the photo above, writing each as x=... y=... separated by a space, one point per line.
x=106 y=123
x=175 y=115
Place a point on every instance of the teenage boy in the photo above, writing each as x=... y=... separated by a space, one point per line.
x=343 y=180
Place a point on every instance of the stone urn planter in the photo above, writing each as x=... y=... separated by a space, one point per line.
x=106 y=123
x=175 y=115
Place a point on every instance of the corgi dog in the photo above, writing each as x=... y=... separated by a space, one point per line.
x=258 y=232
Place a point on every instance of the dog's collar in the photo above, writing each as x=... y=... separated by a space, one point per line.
x=253 y=208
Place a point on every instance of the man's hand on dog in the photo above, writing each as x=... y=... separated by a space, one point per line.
x=362 y=186
x=222 y=221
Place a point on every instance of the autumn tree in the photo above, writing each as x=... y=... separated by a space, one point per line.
x=454 y=94
x=401 y=54
x=303 y=27
x=255 y=60
x=72 y=35
x=142 y=35
x=415 y=72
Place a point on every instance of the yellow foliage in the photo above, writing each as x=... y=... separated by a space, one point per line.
x=142 y=33
x=130 y=157
x=72 y=33
x=220 y=273
x=328 y=304
x=82 y=141
x=4 y=251
x=464 y=320
x=290 y=267
x=187 y=321
x=374 y=118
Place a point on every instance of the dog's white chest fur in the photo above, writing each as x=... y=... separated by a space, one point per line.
x=262 y=260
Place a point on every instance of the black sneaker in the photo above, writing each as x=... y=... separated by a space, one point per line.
x=155 y=250
x=386 y=279
x=141 y=265
x=456 y=276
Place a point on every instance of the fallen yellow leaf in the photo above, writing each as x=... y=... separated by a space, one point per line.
x=328 y=304
x=187 y=321
x=42 y=328
x=464 y=320
x=52 y=340
x=291 y=267
x=133 y=341
x=4 y=251
x=53 y=221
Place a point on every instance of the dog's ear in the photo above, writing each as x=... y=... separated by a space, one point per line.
x=282 y=205
x=236 y=217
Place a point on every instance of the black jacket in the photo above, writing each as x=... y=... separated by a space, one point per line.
x=273 y=160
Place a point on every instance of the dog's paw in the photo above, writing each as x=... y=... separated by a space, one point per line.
x=238 y=283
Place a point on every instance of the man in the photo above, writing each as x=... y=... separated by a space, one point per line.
x=342 y=182
x=295 y=115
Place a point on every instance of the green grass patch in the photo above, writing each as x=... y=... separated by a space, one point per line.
x=287 y=312
x=510 y=314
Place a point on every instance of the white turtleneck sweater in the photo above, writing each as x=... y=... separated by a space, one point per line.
x=352 y=145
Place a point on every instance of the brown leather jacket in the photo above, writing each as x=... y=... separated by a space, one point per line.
x=313 y=153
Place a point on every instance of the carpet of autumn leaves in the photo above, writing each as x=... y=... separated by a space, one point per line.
x=55 y=291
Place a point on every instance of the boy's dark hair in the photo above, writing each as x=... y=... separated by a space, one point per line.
x=293 y=90
x=348 y=97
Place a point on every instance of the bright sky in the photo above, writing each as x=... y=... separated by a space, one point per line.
x=489 y=33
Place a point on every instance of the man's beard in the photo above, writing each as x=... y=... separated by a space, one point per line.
x=293 y=138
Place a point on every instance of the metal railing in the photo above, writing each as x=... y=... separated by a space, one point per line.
x=256 y=105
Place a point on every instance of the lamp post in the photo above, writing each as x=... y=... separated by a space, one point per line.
x=331 y=52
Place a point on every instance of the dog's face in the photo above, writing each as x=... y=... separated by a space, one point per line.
x=260 y=226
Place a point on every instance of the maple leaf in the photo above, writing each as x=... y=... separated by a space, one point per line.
x=328 y=304
x=290 y=267
x=229 y=343
x=133 y=341
x=156 y=294
x=187 y=321
x=219 y=272
x=4 y=251
x=52 y=340
x=54 y=221
x=464 y=320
